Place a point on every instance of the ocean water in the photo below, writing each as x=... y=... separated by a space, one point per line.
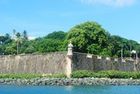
x=5 y=89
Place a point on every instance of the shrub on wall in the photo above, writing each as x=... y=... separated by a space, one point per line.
x=82 y=74
x=106 y=74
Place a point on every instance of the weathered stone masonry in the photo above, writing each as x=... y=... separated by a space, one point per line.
x=81 y=61
x=62 y=62
x=49 y=63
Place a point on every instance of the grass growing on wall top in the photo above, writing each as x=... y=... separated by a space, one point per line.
x=78 y=74
x=20 y=76
x=30 y=76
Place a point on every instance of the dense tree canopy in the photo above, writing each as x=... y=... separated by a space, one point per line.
x=88 y=37
x=59 y=35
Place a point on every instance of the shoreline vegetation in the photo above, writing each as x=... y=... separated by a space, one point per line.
x=77 y=74
x=80 y=77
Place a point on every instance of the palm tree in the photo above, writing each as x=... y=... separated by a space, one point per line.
x=25 y=36
x=18 y=39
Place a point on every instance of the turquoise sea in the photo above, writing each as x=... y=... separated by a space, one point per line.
x=4 y=89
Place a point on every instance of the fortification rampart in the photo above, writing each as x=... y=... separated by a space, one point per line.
x=83 y=61
x=48 y=63
x=60 y=62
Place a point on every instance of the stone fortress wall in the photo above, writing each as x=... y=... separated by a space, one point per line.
x=83 y=61
x=60 y=62
x=49 y=63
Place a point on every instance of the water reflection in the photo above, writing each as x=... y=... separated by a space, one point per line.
x=90 y=89
x=69 y=89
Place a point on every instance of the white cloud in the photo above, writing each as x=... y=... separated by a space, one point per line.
x=115 y=3
x=31 y=37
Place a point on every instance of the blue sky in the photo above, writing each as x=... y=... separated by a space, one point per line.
x=40 y=17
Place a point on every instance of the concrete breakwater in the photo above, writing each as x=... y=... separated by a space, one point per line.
x=69 y=81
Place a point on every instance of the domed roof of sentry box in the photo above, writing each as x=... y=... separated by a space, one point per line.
x=133 y=51
x=70 y=45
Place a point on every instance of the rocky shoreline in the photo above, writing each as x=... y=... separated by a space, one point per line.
x=70 y=81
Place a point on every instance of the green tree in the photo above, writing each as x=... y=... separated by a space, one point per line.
x=30 y=49
x=59 y=35
x=25 y=35
x=18 y=40
x=10 y=48
x=47 y=45
x=88 y=37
